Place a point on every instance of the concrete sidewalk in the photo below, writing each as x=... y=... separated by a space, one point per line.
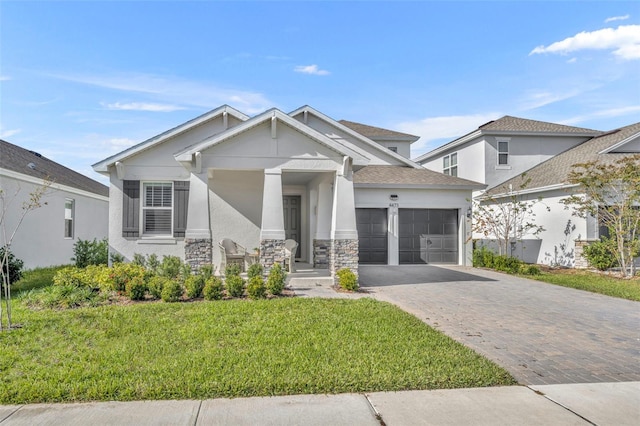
x=573 y=404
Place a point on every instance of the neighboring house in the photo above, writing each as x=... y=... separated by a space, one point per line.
x=502 y=149
x=564 y=236
x=344 y=197
x=73 y=207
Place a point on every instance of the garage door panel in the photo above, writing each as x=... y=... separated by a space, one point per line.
x=428 y=235
x=372 y=235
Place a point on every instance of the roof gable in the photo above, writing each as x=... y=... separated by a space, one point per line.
x=29 y=163
x=375 y=133
x=375 y=147
x=224 y=111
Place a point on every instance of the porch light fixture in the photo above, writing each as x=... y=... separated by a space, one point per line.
x=393 y=197
x=469 y=212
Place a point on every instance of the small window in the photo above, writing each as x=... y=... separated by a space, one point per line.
x=69 y=216
x=503 y=153
x=450 y=164
x=156 y=209
x=393 y=148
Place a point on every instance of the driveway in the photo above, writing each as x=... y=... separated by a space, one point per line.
x=541 y=333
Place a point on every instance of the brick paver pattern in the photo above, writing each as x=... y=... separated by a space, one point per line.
x=540 y=333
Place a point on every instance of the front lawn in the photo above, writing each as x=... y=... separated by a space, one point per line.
x=594 y=282
x=229 y=349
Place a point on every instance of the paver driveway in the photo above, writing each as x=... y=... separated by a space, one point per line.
x=541 y=333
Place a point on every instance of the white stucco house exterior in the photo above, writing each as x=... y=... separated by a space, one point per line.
x=73 y=207
x=342 y=190
x=499 y=152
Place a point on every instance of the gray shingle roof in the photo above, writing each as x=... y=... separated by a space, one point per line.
x=373 y=132
x=17 y=159
x=555 y=170
x=398 y=175
x=515 y=124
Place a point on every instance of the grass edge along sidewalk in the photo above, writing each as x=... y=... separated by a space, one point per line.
x=237 y=348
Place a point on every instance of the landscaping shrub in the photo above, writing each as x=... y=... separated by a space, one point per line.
x=90 y=252
x=97 y=276
x=121 y=273
x=235 y=285
x=116 y=257
x=206 y=271
x=12 y=268
x=508 y=264
x=156 y=284
x=170 y=267
x=136 y=288
x=347 y=279
x=256 y=288
x=213 y=288
x=153 y=264
x=172 y=291
x=599 y=255
x=70 y=276
x=231 y=270
x=255 y=270
x=194 y=285
x=139 y=259
x=276 y=279
x=483 y=257
x=63 y=297
x=530 y=270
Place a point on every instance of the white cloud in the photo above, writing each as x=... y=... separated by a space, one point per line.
x=4 y=134
x=537 y=99
x=616 y=18
x=4 y=78
x=142 y=106
x=433 y=129
x=118 y=144
x=310 y=69
x=572 y=61
x=624 y=41
x=175 y=90
x=605 y=113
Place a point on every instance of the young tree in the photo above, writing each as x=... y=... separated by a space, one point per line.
x=506 y=217
x=33 y=202
x=611 y=192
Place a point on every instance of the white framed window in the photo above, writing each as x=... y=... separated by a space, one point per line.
x=69 y=217
x=503 y=152
x=450 y=164
x=157 y=208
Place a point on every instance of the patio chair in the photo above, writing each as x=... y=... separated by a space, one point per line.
x=231 y=253
x=290 y=248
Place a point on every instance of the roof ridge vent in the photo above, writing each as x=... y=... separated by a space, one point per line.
x=37 y=154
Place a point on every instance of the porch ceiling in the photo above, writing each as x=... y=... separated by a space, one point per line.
x=298 y=178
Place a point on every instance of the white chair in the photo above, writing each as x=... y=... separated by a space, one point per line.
x=290 y=248
x=230 y=253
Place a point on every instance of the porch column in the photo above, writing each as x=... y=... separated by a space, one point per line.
x=322 y=236
x=272 y=233
x=344 y=234
x=197 y=237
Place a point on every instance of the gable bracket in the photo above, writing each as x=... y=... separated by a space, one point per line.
x=120 y=170
x=274 y=134
x=197 y=162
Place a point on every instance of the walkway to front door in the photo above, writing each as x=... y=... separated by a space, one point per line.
x=541 y=333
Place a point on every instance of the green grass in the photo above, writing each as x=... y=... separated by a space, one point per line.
x=229 y=349
x=35 y=278
x=596 y=283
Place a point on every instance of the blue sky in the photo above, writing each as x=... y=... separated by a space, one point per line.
x=80 y=81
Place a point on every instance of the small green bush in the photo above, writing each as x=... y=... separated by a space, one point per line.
x=213 y=288
x=255 y=270
x=97 y=276
x=256 y=288
x=483 y=257
x=153 y=264
x=68 y=276
x=90 y=252
x=276 y=279
x=194 y=285
x=121 y=273
x=347 y=279
x=136 y=288
x=530 y=270
x=599 y=254
x=508 y=264
x=206 y=271
x=235 y=285
x=63 y=297
x=156 y=284
x=170 y=267
x=172 y=291
x=139 y=259
x=12 y=268
x=232 y=269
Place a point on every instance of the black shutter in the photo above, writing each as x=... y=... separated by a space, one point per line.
x=180 y=206
x=131 y=208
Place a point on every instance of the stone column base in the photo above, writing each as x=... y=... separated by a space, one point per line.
x=197 y=252
x=321 y=254
x=581 y=261
x=343 y=254
x=271 y=252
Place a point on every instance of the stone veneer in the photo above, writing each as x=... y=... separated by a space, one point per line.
x=271 y=252
x=581 y=261
x=197 y=252
x=321 y=252
x=343 y=254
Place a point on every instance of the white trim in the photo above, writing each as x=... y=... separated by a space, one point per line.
x=419 y=186
x=619 y=144
x=57 y=186
x=453 y=144
x=482 y=197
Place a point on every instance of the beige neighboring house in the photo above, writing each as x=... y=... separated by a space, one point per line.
x=77 y=207
x=343 y=190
